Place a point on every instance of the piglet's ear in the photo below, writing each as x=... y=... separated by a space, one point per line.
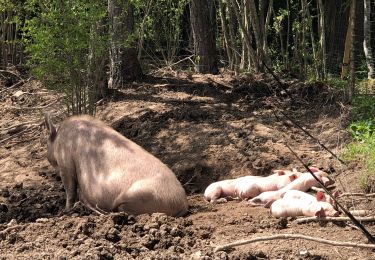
x=50 y=127
x=293 y=176
x=320 y=196
x=320 y=213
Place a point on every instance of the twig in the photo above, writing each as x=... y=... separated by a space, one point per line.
x=293 y=236
x=10 y=72
x=18 y=125
x=13 y=86
x=32 y=108
x=369 y=195
x=331 y=219
x=15 y=135
x=5 y=231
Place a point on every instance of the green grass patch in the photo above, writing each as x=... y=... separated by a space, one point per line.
x=363 y=146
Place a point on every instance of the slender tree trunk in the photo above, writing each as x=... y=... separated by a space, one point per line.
x=124 y=65
x=142 y=29
x=265 y=34
x=367 y=44
x=204 y=36
x=312 y=38
x=246 y=33
x=255 y=22
x=351 y=86
x=348 y=43
x=232 y=34
x=97 y=85
x=322 y=39
x=287 y=64
x=224 y=25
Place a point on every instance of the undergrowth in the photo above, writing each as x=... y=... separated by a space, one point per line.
x=362 y=148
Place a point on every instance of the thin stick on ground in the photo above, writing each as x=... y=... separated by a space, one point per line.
x=5 y=231
x=293 y=236
x=329 y=219
x=369 y=195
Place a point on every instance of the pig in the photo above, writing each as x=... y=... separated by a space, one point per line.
x=297 y=203
x=295 y=207
x=251 y=188
x=320 y=196
x=108 y=172
x=225 y=188
x=302 y=183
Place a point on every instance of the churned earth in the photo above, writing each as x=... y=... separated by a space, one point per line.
x=206 y=128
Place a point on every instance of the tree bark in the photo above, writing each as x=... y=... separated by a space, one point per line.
x=246 y=33
x=225 y=28
x=322 y=38
x=204 y=36
x=124 y=65
x=367 y=44
x=351 y=86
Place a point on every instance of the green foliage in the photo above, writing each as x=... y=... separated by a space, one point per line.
x=58 y=37
x=364 y=107
x=337 y=82
x=362 y=130
x=363 y=133
x=161 y=26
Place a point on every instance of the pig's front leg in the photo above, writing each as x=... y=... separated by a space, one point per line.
x=70 y=185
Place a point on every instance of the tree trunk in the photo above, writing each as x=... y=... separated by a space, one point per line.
x=97 y=85
x=348 y=43
x=351 y=86
x=124 y=65
x=225 y=28
x=322 y=40
x=246 y=33
x=204 y=36
x=367 y=44
x=233 y=31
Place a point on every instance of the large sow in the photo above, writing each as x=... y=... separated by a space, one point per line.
x=108 y=172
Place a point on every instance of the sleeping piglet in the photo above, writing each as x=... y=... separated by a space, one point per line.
x=298 y=203
x=109 y=172
x=250 y=188
x=302 y=183
x=225 y=188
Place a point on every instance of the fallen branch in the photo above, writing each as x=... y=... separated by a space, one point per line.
x=328 y=219
x=369 y=195
x=293 y=236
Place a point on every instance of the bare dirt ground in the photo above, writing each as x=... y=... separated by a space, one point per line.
x=206 y=128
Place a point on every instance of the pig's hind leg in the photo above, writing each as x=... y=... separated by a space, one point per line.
x=139 y=199
x=70 y=185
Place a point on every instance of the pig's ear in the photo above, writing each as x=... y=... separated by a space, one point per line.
x=293 y=176
x=50 y=127
x=320 y=196
x=320 y=213
x=336 y=193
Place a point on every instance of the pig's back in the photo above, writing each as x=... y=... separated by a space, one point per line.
x=107 y=163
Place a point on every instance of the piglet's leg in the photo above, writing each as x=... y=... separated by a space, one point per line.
x=70 y=185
